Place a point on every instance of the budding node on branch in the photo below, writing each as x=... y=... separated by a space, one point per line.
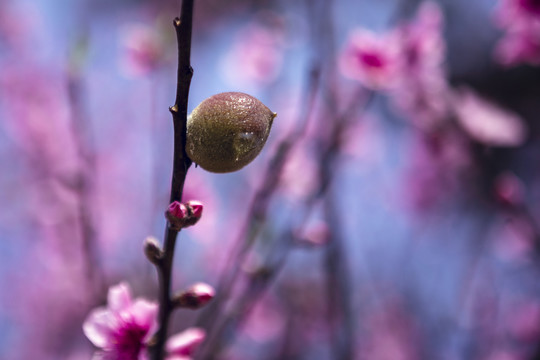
x=195 y=297
x=182 y=215
x=152 y=250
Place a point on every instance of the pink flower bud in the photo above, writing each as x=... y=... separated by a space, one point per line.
x=196 y=208
x=317 y=234
x=184 y=215
x=184 y=344
x=196 y=296
x=178 y=210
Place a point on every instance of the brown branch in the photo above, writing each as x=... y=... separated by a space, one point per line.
x=181 y=164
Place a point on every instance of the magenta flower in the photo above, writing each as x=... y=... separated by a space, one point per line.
x=143 y=50
x=421 y=86
x=183 y=345
x=370 y=59
x=521 y=42
x=122 y=328
x=255 y=58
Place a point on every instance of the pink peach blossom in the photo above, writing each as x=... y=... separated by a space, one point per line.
x=370 y=58
x=143 y=49
x=122 y=328
x=521 y=42
x=421 y=86
x=255 y=57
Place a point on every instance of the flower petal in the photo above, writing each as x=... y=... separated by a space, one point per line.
x=119 y=297
x=99 y=326
x=145 y=315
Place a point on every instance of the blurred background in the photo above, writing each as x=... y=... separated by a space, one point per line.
x=393 y=214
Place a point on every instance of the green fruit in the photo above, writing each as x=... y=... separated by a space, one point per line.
x=227 y=131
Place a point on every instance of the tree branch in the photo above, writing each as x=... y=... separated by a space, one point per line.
x=181 y=164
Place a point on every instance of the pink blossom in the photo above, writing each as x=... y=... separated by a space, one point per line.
x=487 y=123
x=370 y=59
x=299 y=176
x=513 y=239
x=519 y=47
x=315 y=234
x=521 y=41
x=522 y=319
x=509 y=189
x=439 y=161
x=256 y=56
x=391 y=334
x=122 y=328
x=36 y=115
x=266 y=322
x=183 y=345
x=143 y=49
x=421 y=86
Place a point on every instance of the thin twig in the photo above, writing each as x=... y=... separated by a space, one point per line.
x=181 y=164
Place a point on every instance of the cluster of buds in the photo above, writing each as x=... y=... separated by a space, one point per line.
x=179 y=216
x=182 y=215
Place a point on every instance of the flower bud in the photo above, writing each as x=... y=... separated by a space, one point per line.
x=194 y=209
x=178 y=210
x=177 y=214
x=152 y=250
x=196 y=296
x=183 y=345
x=227 y=131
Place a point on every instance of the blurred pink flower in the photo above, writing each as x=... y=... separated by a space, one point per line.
x=513 y=239
x=266 y=322
x=21 y=23
x=183 y=345
x=521 y=42
x=421 y=86
x=123 y=327
x=439 y=161
x=407 y=61
x=509 y=189
x=519 y=47
x=36 y=115
x=391 y=334
x=505 y=354
x=522 y=320
x=143 y=49
x=255 y=57
x=299 y=177
x=487 y=123
x=370 y=58
x=315 y=234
